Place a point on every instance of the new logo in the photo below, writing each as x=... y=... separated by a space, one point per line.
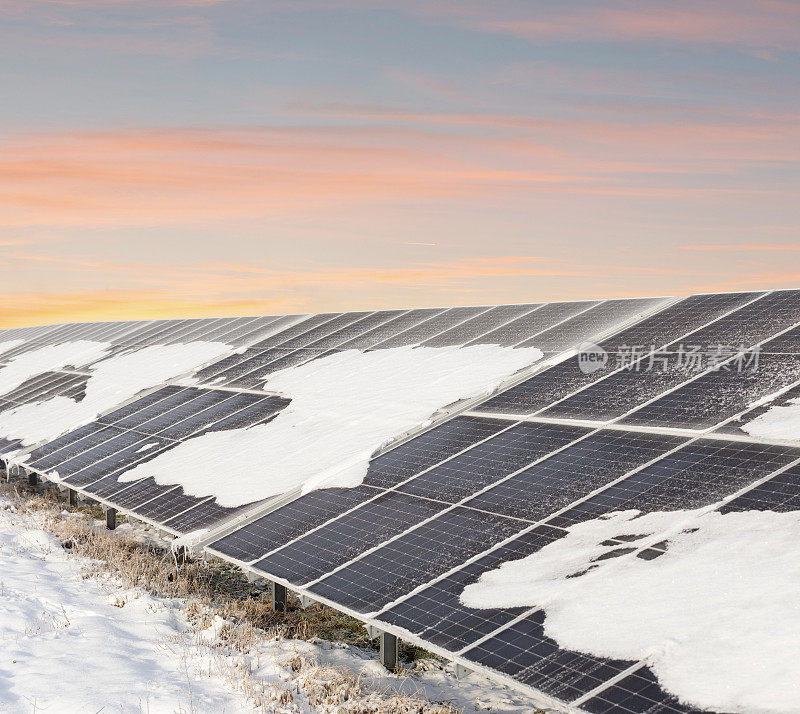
x=591 y=357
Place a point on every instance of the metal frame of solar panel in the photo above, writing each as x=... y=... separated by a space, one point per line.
x=534 y=468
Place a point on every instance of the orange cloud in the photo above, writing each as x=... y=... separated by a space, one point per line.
x=148 y=177
x=42 y=308
x=235 y=289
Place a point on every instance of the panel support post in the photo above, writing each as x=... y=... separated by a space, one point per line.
x=389 y=651
x=111 y=518
x=72 y=497
x=33 y=479
x=277 y=593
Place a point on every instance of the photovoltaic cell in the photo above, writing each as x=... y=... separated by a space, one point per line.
x=638 y=693
x=573 y=473
x=592 y=322
x=739 y=425
x=397 y=326
x=657 y=330
x=291 y=521
x=436 y=614
x=532 y=323
x=525 y=653
x=698 y=474
x=630 y=388
x=491 y=460
x=204 y=515
x=720 y=394
x=427 y=329
x=348 y=536
x=137 y=493
x=781 y=494
x=414 y=558
x=429 y=448
x=101 y=478
x=754 y=322
x=479 y=325
x=356 y=328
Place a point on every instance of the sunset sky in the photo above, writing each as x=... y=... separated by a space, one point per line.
x=224 y=157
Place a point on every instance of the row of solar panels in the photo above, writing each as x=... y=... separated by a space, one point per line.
x=94 y=456
x=482 y=488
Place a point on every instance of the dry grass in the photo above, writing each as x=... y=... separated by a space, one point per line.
x=216 y=589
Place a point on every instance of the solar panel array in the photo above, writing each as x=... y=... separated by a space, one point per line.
x=663 y=426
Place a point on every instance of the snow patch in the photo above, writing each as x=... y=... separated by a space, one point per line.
x=9 y=345
x=779 y=422
x=716 y=616
x=29 y=364
x=343 y=408
x=112 y=382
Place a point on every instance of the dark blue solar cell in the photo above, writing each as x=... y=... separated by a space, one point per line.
x=415 y=558
x=637 y=693
x=436 y=614
x=525 y=653
x=781 y=494
x=430 y=448
x=491 y=460
x=346 y=537
x=573 y=473
x=292 y=520
x=656 y=331
x=699 y=474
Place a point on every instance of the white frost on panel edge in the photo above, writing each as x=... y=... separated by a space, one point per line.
x=343 y=408
x=717 y=616
x=112 y=381
x=779 y=422
x=189 y=540
x=29 y=364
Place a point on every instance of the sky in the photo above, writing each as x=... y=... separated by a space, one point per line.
x=165 y=158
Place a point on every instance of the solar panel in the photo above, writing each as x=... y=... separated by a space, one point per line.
x=458 y=496
x=647 y=378
x=652 y=332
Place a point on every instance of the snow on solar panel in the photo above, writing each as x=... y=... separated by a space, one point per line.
x=50 y=386
x=554 y=556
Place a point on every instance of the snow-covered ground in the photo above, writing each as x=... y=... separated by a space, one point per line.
x=74 y=644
